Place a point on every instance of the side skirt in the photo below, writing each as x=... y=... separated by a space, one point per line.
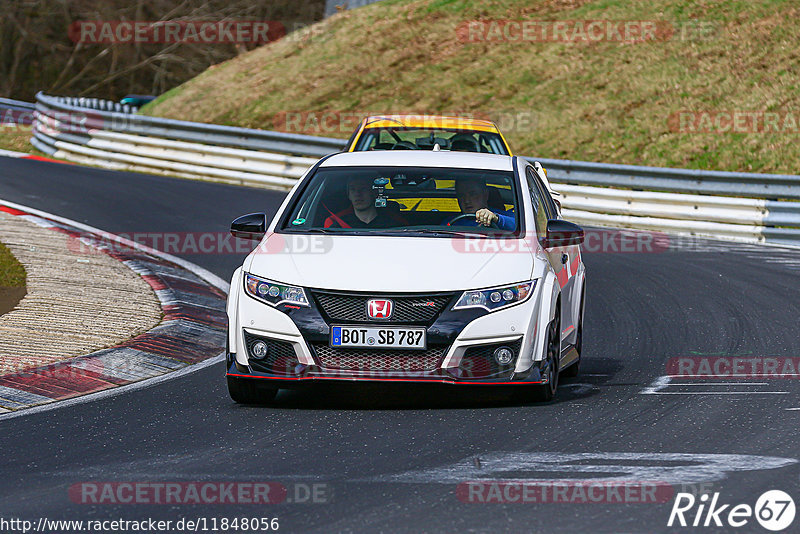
x=569 y=356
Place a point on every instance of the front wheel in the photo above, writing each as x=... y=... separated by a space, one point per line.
x=245 y=391
x=546 y=392
x=573 y=370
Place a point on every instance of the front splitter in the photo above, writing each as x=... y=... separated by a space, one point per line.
x=313 y=373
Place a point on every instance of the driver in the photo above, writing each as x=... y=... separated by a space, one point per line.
x=362 y=212
x=473 y=198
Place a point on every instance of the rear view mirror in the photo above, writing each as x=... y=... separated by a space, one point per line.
x=251 y=226
x=561 y=233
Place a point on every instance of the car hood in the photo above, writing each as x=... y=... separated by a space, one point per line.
x=390 y=264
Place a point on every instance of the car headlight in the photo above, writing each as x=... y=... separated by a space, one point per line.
x=497 y=297
x=274 y=293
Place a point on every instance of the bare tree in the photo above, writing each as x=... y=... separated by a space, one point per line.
x=38 y=53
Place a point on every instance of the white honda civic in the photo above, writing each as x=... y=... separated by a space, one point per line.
x=409 y=266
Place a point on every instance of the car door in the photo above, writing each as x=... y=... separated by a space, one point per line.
x=540 y=220
x=564 y=260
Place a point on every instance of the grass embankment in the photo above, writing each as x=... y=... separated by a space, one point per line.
x=12 y=280
x=15 y=138
x=604 y=101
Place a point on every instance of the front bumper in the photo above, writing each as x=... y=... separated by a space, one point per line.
x=460 y=347
x=311 y=373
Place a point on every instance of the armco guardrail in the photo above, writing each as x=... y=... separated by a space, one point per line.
x=15 y=112
x=98 y=104
x=209 y=134
x=676 y=180
x=743 y=206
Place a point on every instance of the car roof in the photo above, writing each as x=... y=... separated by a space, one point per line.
x=420 y=158
x=430 y=121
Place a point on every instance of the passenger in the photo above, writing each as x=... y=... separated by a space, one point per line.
x=362 y=212
x=473 y=199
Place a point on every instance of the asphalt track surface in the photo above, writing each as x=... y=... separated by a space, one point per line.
x=391 y=458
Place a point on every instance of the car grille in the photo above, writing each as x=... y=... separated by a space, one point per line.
x=479 y=362
x=280 y=360
x=407 y=309
x=378 y=359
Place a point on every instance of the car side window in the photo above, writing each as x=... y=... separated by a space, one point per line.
x=352 y=138
x=367 y=141
x=541 y=215
x=549 y=204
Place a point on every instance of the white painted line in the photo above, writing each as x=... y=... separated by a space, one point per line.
x=542 y=467
x=658 y=384
x=12 y=154
x=792 y=409
x=663 y=382
x=717 y=393
x=206 y=275
x=142 y=384
x=749 y=375
x=723 y=384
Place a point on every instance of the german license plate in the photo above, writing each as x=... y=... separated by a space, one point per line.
x=378 y=337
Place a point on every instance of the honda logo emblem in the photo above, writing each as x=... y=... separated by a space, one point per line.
x=379 y=308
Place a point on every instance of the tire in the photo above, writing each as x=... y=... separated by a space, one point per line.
x=546 y=392
x=244 y=391
x=573 y=370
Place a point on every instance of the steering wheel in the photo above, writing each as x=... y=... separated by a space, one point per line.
x=404 y=145
x=474 y=218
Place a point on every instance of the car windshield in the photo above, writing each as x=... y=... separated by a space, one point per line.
x=403 y=201
x=458 y=140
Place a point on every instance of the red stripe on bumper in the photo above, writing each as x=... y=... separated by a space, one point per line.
x=364 y=379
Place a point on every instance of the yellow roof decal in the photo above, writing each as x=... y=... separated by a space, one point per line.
x=430 y=121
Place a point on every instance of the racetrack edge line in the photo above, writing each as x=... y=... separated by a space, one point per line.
x=141 y=384
x=206 y=275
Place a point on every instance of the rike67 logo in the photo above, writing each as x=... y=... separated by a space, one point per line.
x=774 y=510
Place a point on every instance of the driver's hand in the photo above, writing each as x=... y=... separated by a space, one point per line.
x=486 y=217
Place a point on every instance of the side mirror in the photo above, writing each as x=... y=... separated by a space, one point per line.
x=561 y=233
x=252 y=226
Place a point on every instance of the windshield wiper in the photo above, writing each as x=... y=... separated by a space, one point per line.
x=431 y=231
x=311 y=231
x=424 y=231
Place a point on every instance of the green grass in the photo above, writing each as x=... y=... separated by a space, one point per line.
x=12 y=274
x=602 y=101
x=16 y=139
